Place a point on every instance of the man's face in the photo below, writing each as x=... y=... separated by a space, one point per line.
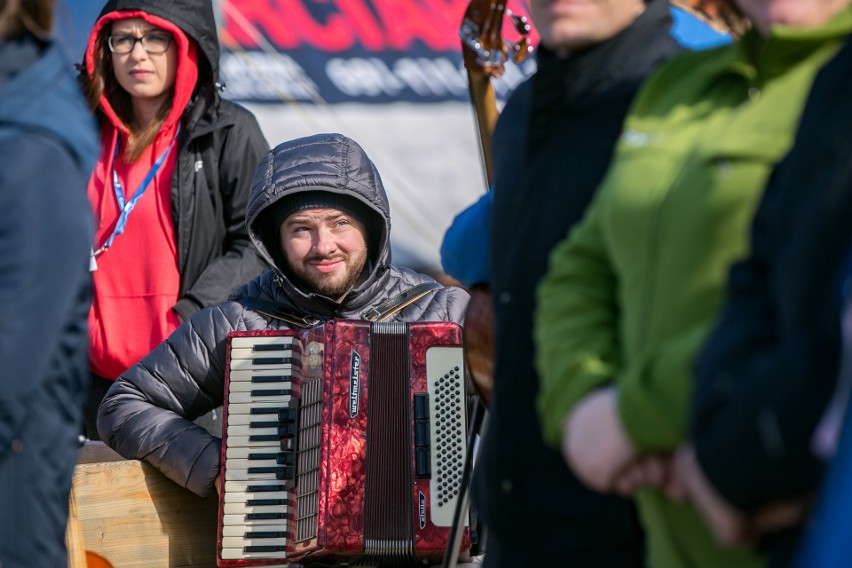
x=325 y=250
x=570 y=25
x=798 y=13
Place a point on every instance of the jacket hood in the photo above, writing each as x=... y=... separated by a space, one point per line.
x=330 y=163
x=39 y=92
x=186 y=78
x=194 y=17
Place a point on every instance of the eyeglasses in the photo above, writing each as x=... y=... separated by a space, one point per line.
x=155 y=44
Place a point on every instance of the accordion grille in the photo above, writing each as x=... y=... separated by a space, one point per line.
x=308 y=465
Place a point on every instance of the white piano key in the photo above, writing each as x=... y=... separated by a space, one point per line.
x=246 y=376
x=243 y=509
x=247 y=430
x=243 y=442
x=246 y=386
x=245 y=398
x=243 y=474
x=238 y=554
x=243 y=453
x=246 y=407
x=245 y=497
x=236 y=530
x=235 y=541
x=252 y=353
x=243 y=486
x=256 y=365
x=244 y=341
x=246 y=419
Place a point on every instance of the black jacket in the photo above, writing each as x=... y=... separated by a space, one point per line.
x=768 y=369
x=147 y=413
x=48 y=145
x=220 y=146
x=552 y=145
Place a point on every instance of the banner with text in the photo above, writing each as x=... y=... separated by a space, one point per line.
x=332 y=51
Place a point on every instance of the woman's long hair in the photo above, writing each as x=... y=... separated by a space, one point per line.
x=102 y=82
x=21 y=16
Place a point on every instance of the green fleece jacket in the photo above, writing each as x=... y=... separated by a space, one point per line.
x=633 y=291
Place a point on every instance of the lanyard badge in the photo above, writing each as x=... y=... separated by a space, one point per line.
x=126 y=206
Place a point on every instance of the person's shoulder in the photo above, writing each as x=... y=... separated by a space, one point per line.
x=685 y=76
x=234 y=110
x=407 y=278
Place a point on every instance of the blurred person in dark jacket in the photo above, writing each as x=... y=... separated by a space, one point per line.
x=170 y=187
x=48 y=145
x=767 y=372
x=552 y=145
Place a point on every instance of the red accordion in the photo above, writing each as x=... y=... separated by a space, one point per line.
x=343 y=441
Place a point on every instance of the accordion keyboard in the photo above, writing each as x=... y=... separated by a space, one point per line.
x=259 y=502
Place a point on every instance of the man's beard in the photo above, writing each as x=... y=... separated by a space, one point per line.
x=334 y=286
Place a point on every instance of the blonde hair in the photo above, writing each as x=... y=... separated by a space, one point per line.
x=102 y=82
x=18 y=17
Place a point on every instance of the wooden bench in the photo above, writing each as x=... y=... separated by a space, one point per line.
x=131 y=515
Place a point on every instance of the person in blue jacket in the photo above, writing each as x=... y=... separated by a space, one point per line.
x=48 y=145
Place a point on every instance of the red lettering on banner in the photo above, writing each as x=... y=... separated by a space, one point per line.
x=405 y=22
x=362 y=23
x=334 y=35
x=260 y=16
x=390 y=24
x=448 y=14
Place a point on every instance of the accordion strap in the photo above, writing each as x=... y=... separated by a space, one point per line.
x=400 y=301
x=379 y=313
x=277 y=311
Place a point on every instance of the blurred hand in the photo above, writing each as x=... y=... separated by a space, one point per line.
x=728 y=525
x=659 y=471
x=594 y=443
x=217 y=483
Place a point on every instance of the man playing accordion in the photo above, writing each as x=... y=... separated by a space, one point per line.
x=318 y=213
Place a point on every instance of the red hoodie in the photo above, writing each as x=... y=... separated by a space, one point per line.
x=137 y=279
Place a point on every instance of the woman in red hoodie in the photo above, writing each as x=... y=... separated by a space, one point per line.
x=170 y=187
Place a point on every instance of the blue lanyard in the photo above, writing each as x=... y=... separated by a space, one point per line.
x=127 y=206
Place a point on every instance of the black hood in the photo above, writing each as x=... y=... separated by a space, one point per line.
x=329 y=163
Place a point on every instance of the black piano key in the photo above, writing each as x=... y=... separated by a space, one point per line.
x=268 y=534
x=273 y=469
x=271 y=379
x=271 y=392
x=263 y=424
x=266 y=488
x=271 y=346
x=267 y=502
x=284 y=431
x=275 y=361
x=259 y=456
x=264 y=549
x=266 y=516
